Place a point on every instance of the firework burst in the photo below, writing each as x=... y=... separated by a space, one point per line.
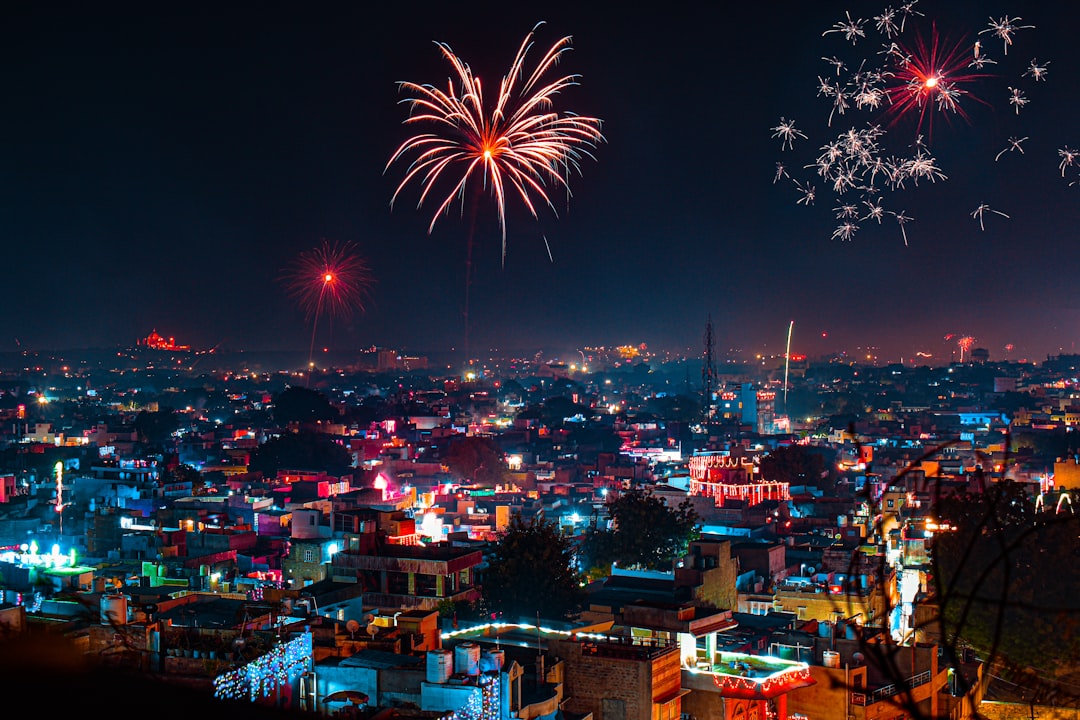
x=517 y=145
x=913 y=79
x=932 y=75
x=331 y=279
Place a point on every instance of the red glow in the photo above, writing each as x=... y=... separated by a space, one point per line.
x=931 y=77
x=331 y=278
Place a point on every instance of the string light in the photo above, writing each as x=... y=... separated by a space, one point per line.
x=268 y=673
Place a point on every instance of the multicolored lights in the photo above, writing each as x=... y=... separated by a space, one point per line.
x=267 y=674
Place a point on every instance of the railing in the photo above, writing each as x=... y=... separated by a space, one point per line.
x=890 y=690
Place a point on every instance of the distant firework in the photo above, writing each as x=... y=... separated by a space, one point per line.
x=893 y=75
x=516 y=145
x=332 y=279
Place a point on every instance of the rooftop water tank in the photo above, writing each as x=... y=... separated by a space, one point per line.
x=114 y=609
x=440 y=665
x=492 y=660
x=830 y=659
x=467 y=658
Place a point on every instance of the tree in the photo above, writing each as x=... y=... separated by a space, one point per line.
x=1005 y=565
x=155 y=428
x=478 y=459
x=532 y=571
x=674 y=408
x=300 y=451
x=302 y=405
x=646 y=532
x=798 y=465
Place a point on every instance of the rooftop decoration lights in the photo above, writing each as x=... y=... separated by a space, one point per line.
x=265 y=675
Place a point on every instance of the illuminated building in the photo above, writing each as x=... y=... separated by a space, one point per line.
x=157 y=342
x=724 y=477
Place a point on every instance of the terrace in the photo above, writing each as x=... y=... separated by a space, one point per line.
x=752 y=677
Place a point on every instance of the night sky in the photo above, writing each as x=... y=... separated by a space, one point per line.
x=164 y=163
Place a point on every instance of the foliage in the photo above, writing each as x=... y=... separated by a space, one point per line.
x=674 y=408
x=798 y=465
x=478 y=459
x=155 y=428
x=532 y=571
x=1004 y=567
x=300 y=451
x=646 y=532
x=302 y=405
x=555 y=410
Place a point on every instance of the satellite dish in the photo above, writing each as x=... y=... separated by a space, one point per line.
x=372 y=630
x=352 y=626
x=811 y=570
x=858 y=658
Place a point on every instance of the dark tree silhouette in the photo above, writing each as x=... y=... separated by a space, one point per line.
x=477 y=459
x=301 y=405
x=1005 y=564
x=646 y=532
x=155 y=428
x=301 y=451
x=532 y=571
x=798 y=465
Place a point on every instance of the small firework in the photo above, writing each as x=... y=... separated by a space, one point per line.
x=982 y=210
x=331 y=279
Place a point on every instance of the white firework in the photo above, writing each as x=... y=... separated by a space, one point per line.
x=1035 y=70
x=851 y=29
x=787 y=132
x=1004 y=29
x=846 y=212
x=781 y=171
x=1014 y=144
x=1017 y=99
x=907 y=10
x=808 y=193
x=982 y=210
x=874 y=211
x=845 y=231
x=1068 y=158
x=901 y=220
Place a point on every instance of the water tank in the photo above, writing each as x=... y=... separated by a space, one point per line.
x=467 y=658
x=492 y=660
x=440 y=665
x=830 y=659
x=114 y=609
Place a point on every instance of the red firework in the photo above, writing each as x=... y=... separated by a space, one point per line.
x=331 y=279
x=932 y=77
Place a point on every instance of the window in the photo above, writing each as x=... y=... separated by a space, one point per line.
x=802 y=612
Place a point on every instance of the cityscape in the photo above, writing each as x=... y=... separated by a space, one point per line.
x=561 y=362
x=772 y=539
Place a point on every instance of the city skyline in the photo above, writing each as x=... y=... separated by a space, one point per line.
x=165 y=166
